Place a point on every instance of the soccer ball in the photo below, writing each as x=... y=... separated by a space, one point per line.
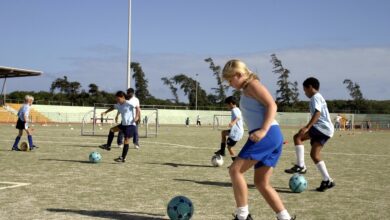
x=298 y=183
x=24 y=146
x=217 y=160
x=180 y=208
x=95 y=157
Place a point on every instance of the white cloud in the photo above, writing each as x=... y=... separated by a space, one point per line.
x=370 y=67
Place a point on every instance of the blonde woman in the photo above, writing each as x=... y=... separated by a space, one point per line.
x=264 y=145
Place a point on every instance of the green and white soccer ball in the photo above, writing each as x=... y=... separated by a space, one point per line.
x=217 y=160
x=95 y=157
x=180 y=208
x=298 y=183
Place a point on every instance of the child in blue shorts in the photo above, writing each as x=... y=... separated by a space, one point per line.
x=318 y=130
x=264 y=146
x=127 y=126
x=22 y=124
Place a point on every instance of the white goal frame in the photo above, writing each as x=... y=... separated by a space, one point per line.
x=93 y=123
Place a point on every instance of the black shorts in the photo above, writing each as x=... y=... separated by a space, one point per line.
x=230 y=142
x=317 y=136
x=20 y=125
x=128 y=130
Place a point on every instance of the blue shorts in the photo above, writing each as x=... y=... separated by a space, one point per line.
x=128 y=130
x=267 y=151
x=21 y=125
x=317 y=136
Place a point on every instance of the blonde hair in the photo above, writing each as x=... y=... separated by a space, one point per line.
x=233 y=67
x=28 y=98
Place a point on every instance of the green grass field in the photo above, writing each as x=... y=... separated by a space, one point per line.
x=63 y=185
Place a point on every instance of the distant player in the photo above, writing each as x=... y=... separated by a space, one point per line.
x=22 y=123
x=127 y=126
x=318 y=130
x=187 y=122
x=236 y=131
x=137 y=111
x=337 y=124
x=198 y=122
x=264 y=145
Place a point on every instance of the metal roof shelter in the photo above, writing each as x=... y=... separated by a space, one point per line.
x=10 y=72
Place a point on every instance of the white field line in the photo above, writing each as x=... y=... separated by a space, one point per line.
x=13 y=185
x=163 y=144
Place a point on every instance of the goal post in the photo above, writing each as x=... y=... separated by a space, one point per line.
x=93 y=124
x=221 y=121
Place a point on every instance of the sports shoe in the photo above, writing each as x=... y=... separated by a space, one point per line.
x=136 y=146
x=220 y=152
x=296 y=169
x=105 y=147
x=326 y=185
x=120 y=145
x=15 y=149
x=292 y=218
x=120 y=159
x=247 y=218
x=33 y=147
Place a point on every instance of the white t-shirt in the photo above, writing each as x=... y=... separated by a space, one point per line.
x=24 y=111
x=127 y=112
x=237 y=131
x=324 y=123
x=135 y=102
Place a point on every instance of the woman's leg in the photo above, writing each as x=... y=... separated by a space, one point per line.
x=262 y=182
x=240 y=188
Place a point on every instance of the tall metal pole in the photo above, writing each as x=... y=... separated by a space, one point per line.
x=129 y=50
x=196 y=93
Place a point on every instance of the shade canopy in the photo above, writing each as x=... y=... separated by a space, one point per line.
x=9 y=72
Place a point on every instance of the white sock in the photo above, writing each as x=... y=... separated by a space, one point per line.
x=283 y=215
x=242 y=212
x=324 y=172
x=300 y=152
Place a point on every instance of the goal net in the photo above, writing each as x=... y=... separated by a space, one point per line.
x=221 y=122
x=93 y=124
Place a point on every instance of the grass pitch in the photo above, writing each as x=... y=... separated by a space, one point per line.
x=58 y=182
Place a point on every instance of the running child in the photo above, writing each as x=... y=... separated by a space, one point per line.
x=318 y=131
x=264 y=145
x=236 y=131
x=22 y=123
x=127 y=126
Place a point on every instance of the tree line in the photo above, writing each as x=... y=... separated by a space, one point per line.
x=66 y=92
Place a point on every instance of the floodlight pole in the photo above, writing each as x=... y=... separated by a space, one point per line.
x=129 y=50
x=196 y=93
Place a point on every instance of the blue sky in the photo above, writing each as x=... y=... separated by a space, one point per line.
x=87 y=41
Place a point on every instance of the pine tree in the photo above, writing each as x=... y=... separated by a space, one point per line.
x=288 y=94
x=141 y=83
x=169 y=82
x=220 y=91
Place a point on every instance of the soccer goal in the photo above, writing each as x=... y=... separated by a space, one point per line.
x=93 y=124
x=221 y=122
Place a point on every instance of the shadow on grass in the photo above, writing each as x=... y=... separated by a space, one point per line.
x=117 y=215
x=181 y=165
x=211 y=183
x=72 y=161
x=284 y=190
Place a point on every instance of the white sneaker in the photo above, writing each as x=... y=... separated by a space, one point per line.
x=120 y=145
x=136 y=146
